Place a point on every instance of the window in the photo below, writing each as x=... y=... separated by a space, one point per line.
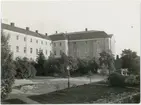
x=60 y=43
x=36 y=41
x=41 y=42
x=74 y=42
x=46 y=43
x=54 y=44
x=24 y=49
x=60 y=52
x=17 y=37
x=86 y=42
x=17 y=48
x=24 y=38
x=46 y=52
x=30 y=50
x=54 y=52
x=36 y=51
x=31 y=40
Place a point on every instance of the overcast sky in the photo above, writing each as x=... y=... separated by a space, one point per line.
x=119 y=18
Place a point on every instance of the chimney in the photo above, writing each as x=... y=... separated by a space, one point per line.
x=56 y=32
x=36 y=31
x=27 y=28
x=46 y=34
x=12 y=24
x=86 y=29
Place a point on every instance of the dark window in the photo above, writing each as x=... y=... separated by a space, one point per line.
x=46 y=52
x=86 y=42
x=30 y=50
x=36 y=41
x=60 y=43
x=54 y=52
x=60 y=52
x=74 y=42
x=36 y=51
x=31 y=40
x=17 y=37
x=24 y=38
x=17 y=48
x=24 y=49
x=54 y=44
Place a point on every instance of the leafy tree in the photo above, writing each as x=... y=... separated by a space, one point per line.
x=130 y=60
x=118 y=63
x=7 y=67
x=40 y=64
x=107 y=59
x=93 y=65
x=52 y=66
x=24 y=68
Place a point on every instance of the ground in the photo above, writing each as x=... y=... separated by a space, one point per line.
x=46 y=90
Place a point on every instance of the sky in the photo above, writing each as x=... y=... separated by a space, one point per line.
x=122 y=19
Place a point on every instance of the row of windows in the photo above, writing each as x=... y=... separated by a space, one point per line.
x=31 y=50
x=60 y=52
x=31 y=40
x=55 y=44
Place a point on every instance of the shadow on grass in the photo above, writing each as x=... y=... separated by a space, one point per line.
x=13 y=101
x=79 y=94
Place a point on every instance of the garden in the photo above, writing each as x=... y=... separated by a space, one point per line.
x=116 y=88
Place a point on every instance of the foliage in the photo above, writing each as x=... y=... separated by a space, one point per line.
x=40 y=64
x=118 y=63
x=132 y=80
x=93 y=65
x=107 y=59
x=7 y=67
x=131 y=61
x=52 y=66
x=24 y=68
x=116 y=79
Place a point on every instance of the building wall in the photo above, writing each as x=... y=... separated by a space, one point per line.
x=21 y=43
x=60 y=46
x=88 y=47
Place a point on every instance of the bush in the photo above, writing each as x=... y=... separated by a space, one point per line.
x=116 y=79
x=24 y=68
x=132 y=80
x=7 y=68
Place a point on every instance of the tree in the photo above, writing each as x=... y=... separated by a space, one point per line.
x=40 y=64
x=130 y=60
x=7 y=67
x=118 y=63
x=24 y=68
x=107 y=59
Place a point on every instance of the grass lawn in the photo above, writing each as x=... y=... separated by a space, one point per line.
x=79 y=94
x=14 y=101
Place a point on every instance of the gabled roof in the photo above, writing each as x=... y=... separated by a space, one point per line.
x=87 y=35
x=23 y=31
x=59 y=36
x=80 y=35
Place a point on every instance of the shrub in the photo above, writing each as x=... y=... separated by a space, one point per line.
x=7 y=68
x=24 y=68
x=116 y=79
x=132 y=80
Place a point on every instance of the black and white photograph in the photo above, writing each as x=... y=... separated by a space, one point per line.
x=70 y=51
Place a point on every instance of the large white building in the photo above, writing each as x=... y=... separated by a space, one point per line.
x=26 y=43
x=87 y=43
